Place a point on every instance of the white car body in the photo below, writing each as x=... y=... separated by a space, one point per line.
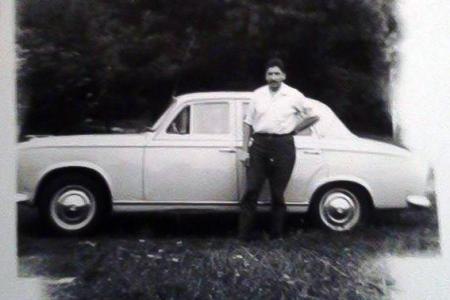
x=161 y=170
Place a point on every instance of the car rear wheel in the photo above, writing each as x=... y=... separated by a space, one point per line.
x=340 y=209
x=73 y=204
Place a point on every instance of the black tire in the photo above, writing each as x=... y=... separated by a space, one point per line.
x=73 y=204
x=340 y=209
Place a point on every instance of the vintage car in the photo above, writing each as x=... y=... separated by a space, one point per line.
x=189 y=159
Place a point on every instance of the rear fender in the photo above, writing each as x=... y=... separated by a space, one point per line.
x=342 y=178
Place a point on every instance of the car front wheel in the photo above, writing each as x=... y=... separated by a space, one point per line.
x=340 y=209
x=72 y=204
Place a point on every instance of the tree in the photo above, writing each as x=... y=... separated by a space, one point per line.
x=123 y=59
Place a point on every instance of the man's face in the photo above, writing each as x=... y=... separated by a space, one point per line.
x=274 y=77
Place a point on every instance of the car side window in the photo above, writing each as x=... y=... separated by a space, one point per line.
x=211 y=118
x=202 y=118
x=181 y=124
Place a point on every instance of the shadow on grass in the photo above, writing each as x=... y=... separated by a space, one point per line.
x=384 y=225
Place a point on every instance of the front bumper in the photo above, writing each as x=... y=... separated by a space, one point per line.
x=22 y=198
x=418 y=201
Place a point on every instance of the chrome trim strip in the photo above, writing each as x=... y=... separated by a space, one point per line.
x=84 y=146
x=203 y=203
x=198 y=208
x=359 y=151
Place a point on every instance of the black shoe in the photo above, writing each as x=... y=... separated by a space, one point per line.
x=276 y=231
x=275 y=236
x=246 y=221
x=247 y=238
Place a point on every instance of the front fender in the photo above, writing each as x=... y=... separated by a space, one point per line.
x=68 y=164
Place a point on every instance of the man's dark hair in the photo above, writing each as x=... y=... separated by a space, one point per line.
x=275 y=62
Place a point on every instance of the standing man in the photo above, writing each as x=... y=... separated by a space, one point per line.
x=276 y=112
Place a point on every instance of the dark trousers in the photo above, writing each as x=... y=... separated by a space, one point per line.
x=272 y=157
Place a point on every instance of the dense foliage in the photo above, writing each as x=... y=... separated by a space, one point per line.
x=106 y=61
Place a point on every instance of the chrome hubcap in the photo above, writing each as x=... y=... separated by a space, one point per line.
x=73 y=207
x=340 y=210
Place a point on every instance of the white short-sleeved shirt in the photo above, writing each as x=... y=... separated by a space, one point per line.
x=279 y=113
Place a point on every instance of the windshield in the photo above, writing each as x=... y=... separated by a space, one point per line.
x=168 y=110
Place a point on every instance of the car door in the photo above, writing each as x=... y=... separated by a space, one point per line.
x=309 y=165
x=308 y=169
x=192 y=158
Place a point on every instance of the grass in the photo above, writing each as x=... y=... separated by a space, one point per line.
x=172 y=256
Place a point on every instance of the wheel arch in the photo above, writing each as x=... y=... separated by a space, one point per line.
x=90 y=172
x=358 y=187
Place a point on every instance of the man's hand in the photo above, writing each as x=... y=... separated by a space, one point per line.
x=242 y=154
x=243 y=157
x=307 y=122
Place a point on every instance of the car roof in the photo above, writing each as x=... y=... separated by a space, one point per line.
x=330 y=124
x=213 y=95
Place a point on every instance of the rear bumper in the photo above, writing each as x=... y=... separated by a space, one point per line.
x=417 y=201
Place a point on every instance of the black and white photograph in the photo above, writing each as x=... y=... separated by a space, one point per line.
x=224 y=149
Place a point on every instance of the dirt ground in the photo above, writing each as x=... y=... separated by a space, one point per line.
x=196 y=256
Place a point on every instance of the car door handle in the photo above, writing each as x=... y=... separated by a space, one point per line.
x=227 y=150
x=311 y=152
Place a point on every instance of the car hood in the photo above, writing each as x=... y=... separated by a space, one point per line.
x=365 y=145
x=93 y=140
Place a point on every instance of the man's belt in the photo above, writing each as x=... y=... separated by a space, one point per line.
x=263 y=134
